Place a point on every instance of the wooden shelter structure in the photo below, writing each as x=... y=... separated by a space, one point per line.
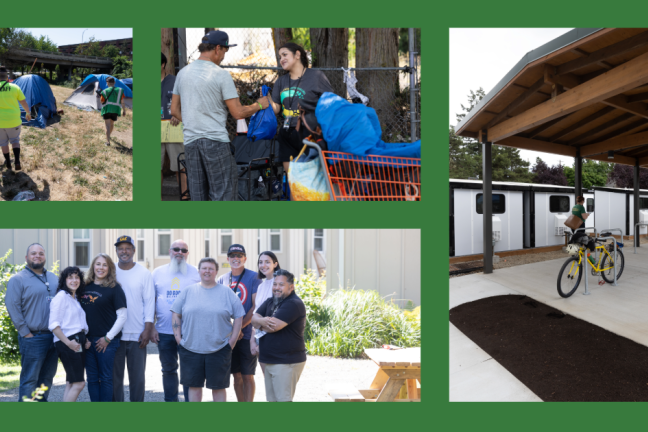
x=583 y=94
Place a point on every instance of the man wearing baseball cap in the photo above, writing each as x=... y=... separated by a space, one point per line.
x=202 y=96
x=137 y=283
x=244 y=283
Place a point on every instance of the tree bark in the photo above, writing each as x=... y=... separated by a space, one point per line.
x=378 y=47
x=168 y=49
x=280 y=36
x=330 y=48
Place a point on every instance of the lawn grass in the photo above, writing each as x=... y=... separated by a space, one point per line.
x=69 y=161
x=10 y=375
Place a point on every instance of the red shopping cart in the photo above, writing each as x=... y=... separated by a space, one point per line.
x=370 y=178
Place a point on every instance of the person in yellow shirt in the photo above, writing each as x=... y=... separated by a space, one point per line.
x=10 y=121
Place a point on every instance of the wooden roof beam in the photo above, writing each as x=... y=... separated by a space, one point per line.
x=584 y=53
x=607 y=125
x=637 y=98
x=538 y=145
x=643 y=161
x=580 y=124
x=618 y=143
x=631 y=128
x=618 y=159
x=618 y=80
x=603 y=54
x=621 y=102
x=516 y=103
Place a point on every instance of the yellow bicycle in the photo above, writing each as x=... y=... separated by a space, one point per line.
x=572 y=270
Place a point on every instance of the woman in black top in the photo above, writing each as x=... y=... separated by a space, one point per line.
x=300 y=88
x=104 y=303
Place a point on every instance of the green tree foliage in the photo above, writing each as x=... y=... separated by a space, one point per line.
x=122 y=67
x=301 y=36
x=90 y=48
x=110 y=51
x=545 y=174
x=13 y=38
x=594 y=173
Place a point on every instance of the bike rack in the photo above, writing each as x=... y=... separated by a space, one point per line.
x=586 y=273
x=634 y=241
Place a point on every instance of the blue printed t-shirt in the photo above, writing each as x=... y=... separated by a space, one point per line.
x=246 y=288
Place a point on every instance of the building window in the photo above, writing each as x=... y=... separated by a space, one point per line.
x=140 y=245
x=81 y=248
x=559 y=204
x=499 y=204
x=590 y=205
x=207 y=248
x=163 y=242
x=275 y=240
x=643 y=203
x=225 y=240
x=318 y=240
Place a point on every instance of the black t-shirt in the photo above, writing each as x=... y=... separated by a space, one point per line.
x=167 y=93
x=287 y=345
x=100 y=305
x=290 y=95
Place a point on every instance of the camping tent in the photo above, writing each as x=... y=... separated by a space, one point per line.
x=40 y=99
x=85 y=96
x=128 y=82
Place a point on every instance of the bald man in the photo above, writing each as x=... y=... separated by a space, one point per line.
x=170 y=280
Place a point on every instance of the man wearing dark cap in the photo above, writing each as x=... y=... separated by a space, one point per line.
x=202 y=96
x=137 y=283
x=10 y=121
x=244 y=283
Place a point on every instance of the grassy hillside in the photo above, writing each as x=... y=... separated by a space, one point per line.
x=69 y=161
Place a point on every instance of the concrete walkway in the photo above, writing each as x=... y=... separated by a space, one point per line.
x=474 y=376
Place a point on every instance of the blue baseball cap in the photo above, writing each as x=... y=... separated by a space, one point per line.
x=125 y=239
x=217 y=37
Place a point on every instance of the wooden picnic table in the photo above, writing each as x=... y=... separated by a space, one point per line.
x=397 y=367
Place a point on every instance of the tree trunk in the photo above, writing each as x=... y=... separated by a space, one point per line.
x=168 y=49
x=280 y=36
x=378 y=47
x=330 y=48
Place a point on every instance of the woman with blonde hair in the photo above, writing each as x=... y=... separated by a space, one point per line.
x=104 y=303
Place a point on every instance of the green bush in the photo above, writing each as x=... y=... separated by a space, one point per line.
x=345 y=322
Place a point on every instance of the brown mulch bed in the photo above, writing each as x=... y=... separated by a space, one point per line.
x=557 y=356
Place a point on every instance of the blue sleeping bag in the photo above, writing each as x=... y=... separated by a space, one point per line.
x=38 y=94
x=355 y=128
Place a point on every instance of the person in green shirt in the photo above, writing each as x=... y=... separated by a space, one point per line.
x=112 y=99
x=10 y=121
x=579 y=210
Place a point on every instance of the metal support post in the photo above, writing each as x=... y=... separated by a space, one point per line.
x=487 y=206
x=636 y=201
x=578 y=173
x=412 y=86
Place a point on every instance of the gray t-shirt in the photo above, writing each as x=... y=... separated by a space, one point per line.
x=203 y=88
x=207 y=316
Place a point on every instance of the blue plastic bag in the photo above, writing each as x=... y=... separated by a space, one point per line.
x=263 y=124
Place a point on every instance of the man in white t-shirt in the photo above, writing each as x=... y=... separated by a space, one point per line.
x=137 y=283
x=170 y=280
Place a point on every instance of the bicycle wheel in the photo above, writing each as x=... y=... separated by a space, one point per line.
x=569 y=277
x=608 y=275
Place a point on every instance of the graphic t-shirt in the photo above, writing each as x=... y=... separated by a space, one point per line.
x=100 y=305
x=287 y=345
x=578 y=210
x=167 y=289
x=167 y=93
x=291 y=94
x=10 y=94
x=246 y=288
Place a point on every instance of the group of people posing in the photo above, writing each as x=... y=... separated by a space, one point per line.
x=99 y=323
x=202 y=95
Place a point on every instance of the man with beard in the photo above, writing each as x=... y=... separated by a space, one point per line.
x=244 y=283
x=170 y=280
x=280 y=323
x=137 y=283
x=29 y=293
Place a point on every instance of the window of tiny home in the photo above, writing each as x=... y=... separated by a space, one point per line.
x=558 y=204
x=643 y=203
x=590 y=205
x=499 y=204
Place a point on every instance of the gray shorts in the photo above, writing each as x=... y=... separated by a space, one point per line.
x=10 y=135
x=173 y=150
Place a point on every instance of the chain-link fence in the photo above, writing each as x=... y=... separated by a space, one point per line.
x=252 y=63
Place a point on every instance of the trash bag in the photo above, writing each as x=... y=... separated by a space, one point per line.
x=25 y=196
x=263 y=124
x=308 y=179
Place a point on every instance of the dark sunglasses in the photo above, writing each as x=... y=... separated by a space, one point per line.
x=180 y=250
x=236 y=255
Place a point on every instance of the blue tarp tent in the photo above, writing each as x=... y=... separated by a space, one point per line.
x=85 y=96
x=355 y=129
x=40 y=99
x=102 y=83
x=128 y=82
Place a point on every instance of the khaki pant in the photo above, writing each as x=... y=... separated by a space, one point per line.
x=173 y=150
x=281 y=381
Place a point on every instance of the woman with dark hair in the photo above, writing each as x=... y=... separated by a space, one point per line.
x=268 y=264
x=298 y=90
x=104 y=303
x=68 y=323
x=579 y=211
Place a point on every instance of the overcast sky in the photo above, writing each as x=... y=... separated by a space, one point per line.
x=480 y=57
x=68 y=36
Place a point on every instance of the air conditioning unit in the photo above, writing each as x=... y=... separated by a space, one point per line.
x=497 y=229
x=643 y=216
x=559 y=224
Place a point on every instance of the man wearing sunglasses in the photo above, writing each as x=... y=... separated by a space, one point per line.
x=170 y=280
x=244 y=283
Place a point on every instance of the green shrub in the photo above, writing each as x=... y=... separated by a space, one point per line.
x=345 y=322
